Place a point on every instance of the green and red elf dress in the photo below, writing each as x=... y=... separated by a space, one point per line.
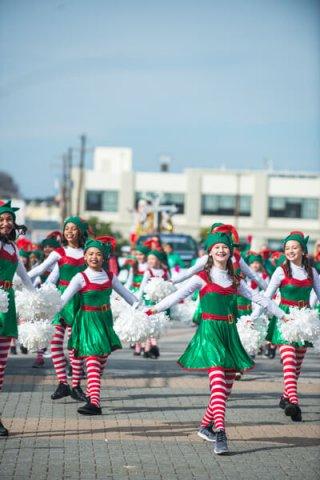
x=135 y=277
x=9 y=265
x=295 y=292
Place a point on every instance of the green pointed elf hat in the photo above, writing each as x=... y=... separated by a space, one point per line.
x=298 y=237
x=5 y=207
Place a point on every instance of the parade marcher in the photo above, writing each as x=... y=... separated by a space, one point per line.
x=48 y=245
x=216 y=346
x=134 y=280
x=316 y=256
x=92 y=336
x=70 y=261
x=157 y=268
x=9 y=265
x=295 y=279
x=175 y=262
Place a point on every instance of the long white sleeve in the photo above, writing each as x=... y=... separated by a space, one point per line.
x=128 y=296
x=54 y=275
x=261 y=300
x=53 y=258
x=22 y=272
x=193 y=284
x=197 y=267
x=76 y=283
x=251 y=274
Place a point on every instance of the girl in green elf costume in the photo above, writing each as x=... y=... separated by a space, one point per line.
x=135 y=277
x=295 y=280
x=157 y=268
x=216 y=347
x=70 y=261
x=93 y=337
x=9 y=265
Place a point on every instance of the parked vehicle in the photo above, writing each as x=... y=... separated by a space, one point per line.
x=184 y=245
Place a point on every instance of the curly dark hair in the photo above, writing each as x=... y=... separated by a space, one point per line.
x=14 y=234
x=234 y=277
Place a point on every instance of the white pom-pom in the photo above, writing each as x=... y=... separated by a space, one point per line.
x=183 y=312
x=304 y=326
x=132 y=325
x=157 y=288
x=35 y=335
x=41 y=304
x=252 y=334
x=117 y=305
x=4 y=301
x=17 y=283
x=158 y=324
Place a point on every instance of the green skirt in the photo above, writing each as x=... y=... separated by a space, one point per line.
x=8 y=320
x=216 y=343
x=69 y=311
x=93 y=334
x=274 y=334
x=197 y=316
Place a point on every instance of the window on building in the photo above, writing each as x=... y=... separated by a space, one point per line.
x=225 y=205
x=102 y=201
x=176 y=199
x=288 y=207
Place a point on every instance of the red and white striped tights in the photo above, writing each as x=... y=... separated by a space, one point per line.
x=4 y=351
x=59 y=359
x=292 y=358
x=221 y=381
x=95 y=366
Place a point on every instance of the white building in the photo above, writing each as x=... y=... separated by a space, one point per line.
x=265 y=204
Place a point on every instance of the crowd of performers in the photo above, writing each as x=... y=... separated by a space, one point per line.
x=227 y=284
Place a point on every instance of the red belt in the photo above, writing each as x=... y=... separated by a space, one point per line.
x=92 y=308
x=294 y=303
x=6 y=284
x=211 y=316
x=244 y=307
x=136 y=285
x=64 y=283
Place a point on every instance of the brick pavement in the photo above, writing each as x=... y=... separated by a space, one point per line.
x=151 y=411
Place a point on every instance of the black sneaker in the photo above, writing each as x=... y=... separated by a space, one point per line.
x=69 y=373
x=154 y=352
x=136 y=354
x=206 y=433
x=78 y=394
x=283 y=402
x=221 y=443
x=3 y=431
x=146 y=355
x=13 y=350
x=294 y=411
x=62 y=390
x=23 y=350
x=89 y=409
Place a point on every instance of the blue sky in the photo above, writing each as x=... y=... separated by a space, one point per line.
x=210 y=83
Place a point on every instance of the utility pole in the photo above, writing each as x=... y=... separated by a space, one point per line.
x=64 y=184
x=83 y=140
x=69 y=181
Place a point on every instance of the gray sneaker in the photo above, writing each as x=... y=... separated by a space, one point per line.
x=221 y=443
x=206 y=433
